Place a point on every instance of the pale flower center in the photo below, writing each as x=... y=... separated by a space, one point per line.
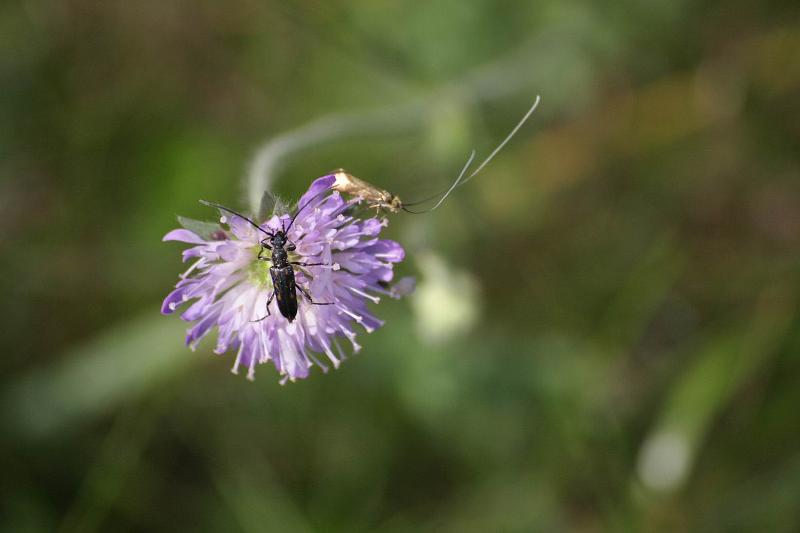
x=258 y=271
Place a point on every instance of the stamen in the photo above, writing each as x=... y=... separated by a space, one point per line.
x=375 y=299
x=265 y=351
x=357 y=318
x=317 y=362
x=195 y=265
x=328 y=351
x=251 y=374
x=235 y=368
x=339 y=351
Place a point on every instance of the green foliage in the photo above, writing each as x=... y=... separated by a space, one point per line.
x=268 y=204
x=272 y=205
x=198 y=227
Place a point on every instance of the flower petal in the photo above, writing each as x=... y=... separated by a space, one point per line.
x=315 y=190
x=172 y=301
x=183 y=235
x=386 y=250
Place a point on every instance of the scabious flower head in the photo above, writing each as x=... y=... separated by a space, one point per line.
x=228 y=286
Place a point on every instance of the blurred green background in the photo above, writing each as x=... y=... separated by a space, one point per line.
x=605 y=335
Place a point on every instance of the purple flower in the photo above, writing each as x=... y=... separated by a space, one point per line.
x=228 y=286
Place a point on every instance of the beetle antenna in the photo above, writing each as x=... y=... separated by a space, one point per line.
x=304 y=206
x=212 y=204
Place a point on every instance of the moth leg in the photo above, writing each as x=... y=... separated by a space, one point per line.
x=269 y=301
x=308 y=296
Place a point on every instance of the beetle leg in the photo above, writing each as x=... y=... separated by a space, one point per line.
x=269 y=301
x=308 y=296
x=299 y=263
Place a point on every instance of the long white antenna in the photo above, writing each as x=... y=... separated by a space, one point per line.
x=458 y=182
x=455 y=183
x=505 y=141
